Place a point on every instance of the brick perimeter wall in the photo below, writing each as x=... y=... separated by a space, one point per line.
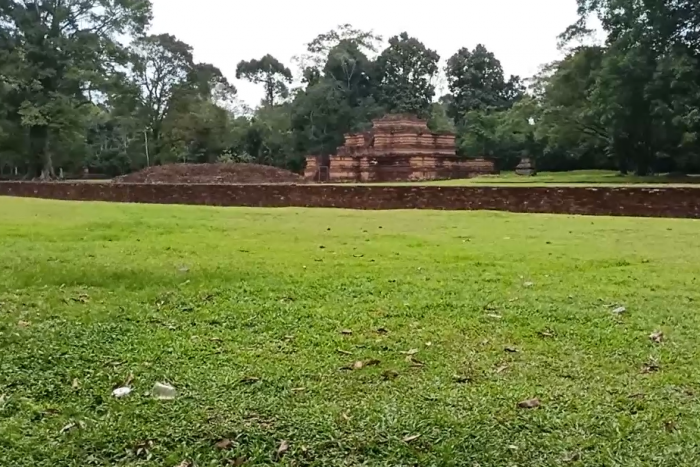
x=616 y=201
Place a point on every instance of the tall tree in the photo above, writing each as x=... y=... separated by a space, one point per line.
x=57 y=54
x=161 y=65
x=476 y=82
x=269 y=72
x=405 y=72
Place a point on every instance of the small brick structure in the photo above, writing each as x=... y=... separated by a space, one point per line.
x=609 y=201
x=526 y=168
x=398 y=148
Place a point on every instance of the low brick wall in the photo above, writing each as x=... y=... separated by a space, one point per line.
x=622 y=201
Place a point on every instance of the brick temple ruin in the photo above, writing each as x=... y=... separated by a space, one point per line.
x=397 y=148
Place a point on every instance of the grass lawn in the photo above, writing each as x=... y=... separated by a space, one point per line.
x=457 y=317
x=573 y=178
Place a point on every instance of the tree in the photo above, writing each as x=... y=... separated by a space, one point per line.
x=405 y=71
x=476 y=82
x=269 y=72
x=318 y=50
x=57 y=57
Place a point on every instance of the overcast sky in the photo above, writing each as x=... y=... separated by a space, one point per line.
x=522 y=33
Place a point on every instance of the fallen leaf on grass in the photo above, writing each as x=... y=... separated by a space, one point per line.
x=76 y=384
x=501 y=369
x=250 y=380
x=511 y=350
x=546 y=334
x=390 y=375
x=528 y=284
x=24 y=324
x=411 y=352
x=215 y=339
x=358 y=365
x=652 y=366
x=493 y=316
x=185 y=463
x=462 y=379
x=382 y=331
x=619 y=310
x=573 y=457
x=283 y=448
x=415 y=363
x=408 y=439
x=237 y=462
x=530 y=404
x=142 y=448
x=129 y=380
x=224 y=444
x=373 y=362
x=346 y=332
x=657 y=336
x=346 y=417
x=639 y=395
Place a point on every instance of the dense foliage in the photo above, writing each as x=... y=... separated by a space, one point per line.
x=82 y=86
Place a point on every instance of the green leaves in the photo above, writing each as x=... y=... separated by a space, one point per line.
x=405 y=71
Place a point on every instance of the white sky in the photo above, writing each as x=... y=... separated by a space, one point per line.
x=521 y=33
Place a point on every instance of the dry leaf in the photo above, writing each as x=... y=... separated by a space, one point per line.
x=129 y=380
x=143 y=448
x=428 y=344
x=511 y=350
x=224 y=444
x=237 y=462
x=620 y=310
x=651 y=366
x=529 y=404
x=346 y=332
x=358 y=365
x=382 y=331
x=250 y=380
x=76 y=384
x=24 y=324
x=373 y=362
x=573 y=457
x=411 y=352
x=408 y=439
x=546 y=334
x=528 y=284
x=657 y=337
x=283 y=448
x=415 y=363
x=390 y=374
x=495 y=316
x=501 y=369
x=462 y=379
x=346 y=417
x=68 y=427
x=639 y=395
x=185 y=463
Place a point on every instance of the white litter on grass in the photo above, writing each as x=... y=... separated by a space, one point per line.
x=164 y=392
x=620 y=310
x=121 y=392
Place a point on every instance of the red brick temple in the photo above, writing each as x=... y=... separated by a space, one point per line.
x=397 y=148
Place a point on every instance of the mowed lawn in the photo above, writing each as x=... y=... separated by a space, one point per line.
x=258 y=317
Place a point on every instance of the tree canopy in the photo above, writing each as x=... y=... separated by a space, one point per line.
x=83 y=86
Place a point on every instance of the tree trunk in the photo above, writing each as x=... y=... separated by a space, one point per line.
x=42 y=162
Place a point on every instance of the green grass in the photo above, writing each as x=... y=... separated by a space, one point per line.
x=242 y=311
x=573 y=178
